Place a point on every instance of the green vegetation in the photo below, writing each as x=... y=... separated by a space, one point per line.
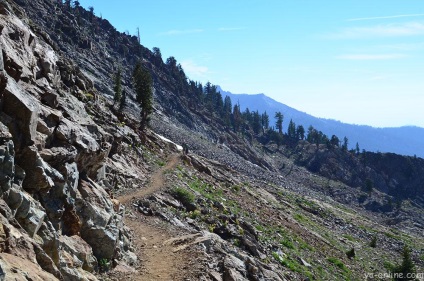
x=351 y=253
x=279 y=122
x=117 y=88
x=194 y=214
x=406 y=267
x=144 y=95
x=287 y=243
x=104 y=264
x=373 y=242
x=299 y=217
x=349 y=237
x=338 y=263
x=183 y=195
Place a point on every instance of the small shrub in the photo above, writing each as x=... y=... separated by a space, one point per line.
x=287 y=243
x=349 y=237
x=194 y=214
x=338 y=263
x=183 y=195
x=104 y=264
x=351 y=253
x=236 y=188
x=373 y=242
x=369 y=185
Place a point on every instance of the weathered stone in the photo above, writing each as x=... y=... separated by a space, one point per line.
x=271 y=275
x=253 y=247
x=70 y=274
x=102 y=240
x=30 y=214
x=46 y=262
x=71 y=222
x=7 y=166
x=24 y=110
x=232 y=275
x=5 y=135
x=6 y=211
x=40 y=175
x=231 y=261
x=59 y=156
x=14 y=199
x=94 y=205
x=215 y=276
x=50 y=239
x=14 y=268
x=5 y=8
x=79 y=248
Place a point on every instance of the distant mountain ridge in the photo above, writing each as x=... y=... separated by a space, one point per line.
x=407 y=140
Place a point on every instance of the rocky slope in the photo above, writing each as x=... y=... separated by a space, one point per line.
x=243 y=211
x=58 y=220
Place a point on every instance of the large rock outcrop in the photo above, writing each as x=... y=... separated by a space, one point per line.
x=56 y=221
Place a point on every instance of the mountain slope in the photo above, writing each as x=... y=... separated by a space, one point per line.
x=406 y=140
x=251 y=211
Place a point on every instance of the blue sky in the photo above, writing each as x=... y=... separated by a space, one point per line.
x=359 y=62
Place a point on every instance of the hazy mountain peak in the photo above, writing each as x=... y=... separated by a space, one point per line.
x=405 y=140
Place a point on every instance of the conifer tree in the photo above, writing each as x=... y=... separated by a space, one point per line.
x=334 y=140
x=256 y=122
x=118 y=87
x=279 y=122
x=300 y=132
x=91 y=10
x=123 y=101
x=144 y=94
x=265 y=121
x=291 y=131
x=357 y=149
x=236 y=118
x=345 y=144
x=406 y=269
x=227 y=110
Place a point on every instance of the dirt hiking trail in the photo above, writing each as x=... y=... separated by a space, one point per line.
x=158 y=262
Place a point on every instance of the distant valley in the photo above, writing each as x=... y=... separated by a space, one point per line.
x=408 y=140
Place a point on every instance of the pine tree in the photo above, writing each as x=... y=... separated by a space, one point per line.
x=345 y=144
x=117 y=88
x=236 y=118
x=265 y=121
x=144 y=94
x=291 y=131
x=300 y=132
x=123 y=101
x=279 y=122
x=227 y=110
x=256 y=122
x=91 y=10
x=357 y=149
x=407 y=267
x=335 y=140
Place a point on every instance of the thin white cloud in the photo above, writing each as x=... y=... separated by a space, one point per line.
x=181 y=32
x=387 y=17
x=371 y=56
x=386 y=30
x=404 y=46
x=193 y=69
x=224 y=29
x=378 y=77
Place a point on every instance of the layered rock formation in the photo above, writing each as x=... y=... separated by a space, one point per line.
x=57 y=221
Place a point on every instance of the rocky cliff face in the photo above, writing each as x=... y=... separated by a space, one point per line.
x=56 y=214
x=258 y=214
